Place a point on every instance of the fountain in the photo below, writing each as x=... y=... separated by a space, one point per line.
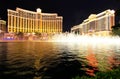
x=85 y=39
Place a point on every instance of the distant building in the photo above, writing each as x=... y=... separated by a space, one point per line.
x=2 y=26
x=99 y=24
x=27 y=21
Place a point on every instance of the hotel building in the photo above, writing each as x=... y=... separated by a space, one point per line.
x=2 y=26
x=27 y=21
x=96 y=24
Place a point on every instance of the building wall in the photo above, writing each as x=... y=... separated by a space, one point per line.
x=99 y=24
x=28 y=21
x=2 y=26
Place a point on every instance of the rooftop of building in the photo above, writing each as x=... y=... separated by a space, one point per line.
x=38 y=10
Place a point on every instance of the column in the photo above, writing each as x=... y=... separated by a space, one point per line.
x=9 y=22
x=11 y=27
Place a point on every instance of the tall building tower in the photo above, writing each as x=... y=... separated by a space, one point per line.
x=27 y=21
x=97 y=24
x=2 y=26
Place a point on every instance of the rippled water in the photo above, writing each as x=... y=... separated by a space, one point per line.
x=47 y=60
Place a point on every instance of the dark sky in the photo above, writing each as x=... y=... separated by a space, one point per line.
x=73 y=11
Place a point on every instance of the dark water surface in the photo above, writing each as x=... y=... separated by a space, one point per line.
x=45 y=60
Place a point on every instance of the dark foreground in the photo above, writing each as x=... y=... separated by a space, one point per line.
x=47 y=60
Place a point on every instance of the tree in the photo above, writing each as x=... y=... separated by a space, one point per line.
x=20 y=35
x=1 y=34
x=38 y=34
x=116 y=29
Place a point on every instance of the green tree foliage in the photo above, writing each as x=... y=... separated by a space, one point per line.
x=38 y=34
x=117 y=12
x=116 y=30
x=113 y=74
x=20 y=35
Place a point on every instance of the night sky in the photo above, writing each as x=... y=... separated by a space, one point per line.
x=73 y=11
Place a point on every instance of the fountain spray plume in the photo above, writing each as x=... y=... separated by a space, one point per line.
x=86 y=39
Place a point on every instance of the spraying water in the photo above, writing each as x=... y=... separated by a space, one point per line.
x=95 y=48
x=85 y=39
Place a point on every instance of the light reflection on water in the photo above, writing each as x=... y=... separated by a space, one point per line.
x=61 y=60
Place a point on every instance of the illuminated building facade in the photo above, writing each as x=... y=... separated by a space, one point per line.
x=2 y=26
x=29 y=22
x=99 y=24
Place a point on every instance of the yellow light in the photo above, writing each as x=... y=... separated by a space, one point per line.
x=38 y=10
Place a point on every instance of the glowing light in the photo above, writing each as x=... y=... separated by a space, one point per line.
x=113 y=11
x=86 y=40
x=38 y=10
x=95 y=49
